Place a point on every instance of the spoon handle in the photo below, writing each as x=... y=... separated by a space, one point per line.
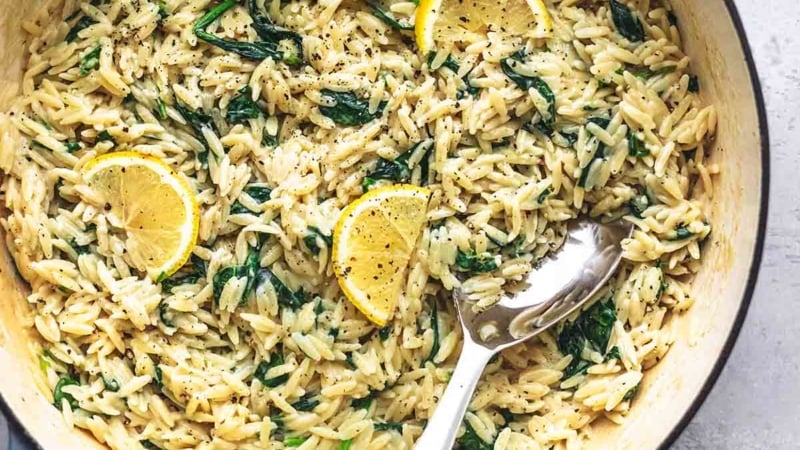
x=440 y=433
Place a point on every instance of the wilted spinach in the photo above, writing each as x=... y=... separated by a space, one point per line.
x=470 y=261
x=59 y=394
x=90 y=61
x=388 y=18
x=626 y=21
x=286 y=298
x=348 y=110
x=592 y=329
x=471 y=441
x=275 y=360
x=526 y=82
x=83 y=23
x=638 y=204
x=260 y=192
x=636 y=147
x=247 y=270
x=388 y=426
x=313 y=237
x=242 y=107
x=435 y=327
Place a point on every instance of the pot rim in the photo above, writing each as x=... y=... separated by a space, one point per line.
x=17 y=430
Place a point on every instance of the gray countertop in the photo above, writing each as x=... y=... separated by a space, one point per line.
x=756 y=402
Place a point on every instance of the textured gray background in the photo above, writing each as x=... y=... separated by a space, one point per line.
x=756 y=403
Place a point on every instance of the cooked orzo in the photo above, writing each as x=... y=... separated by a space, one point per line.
x=278 y=116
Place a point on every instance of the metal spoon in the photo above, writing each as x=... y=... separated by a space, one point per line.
x=562 y=283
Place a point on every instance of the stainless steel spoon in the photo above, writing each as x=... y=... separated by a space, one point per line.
x=562 y=283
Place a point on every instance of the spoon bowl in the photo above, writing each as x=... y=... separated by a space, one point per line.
x=560 y=284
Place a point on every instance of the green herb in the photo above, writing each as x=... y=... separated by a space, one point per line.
x=694 y=84
x=435 y=326
x=306 y=403
x=662 y=281
x=448 y=63
x=525 y=83
x=543 y=196
x=72 y=146
x=645 y=73
x=397 y=171
x=348 y=109
x=638 y=204
x=385 y=332
x=602 y=122
x=681 y=233
x=626 y=22
x=59 y=394
x=364 y=402
x=161 y=109
x=90 y=61
x=345 y=445
x=388 y=426
x=110 y=384
x=247 y=270
x=388 y=18
x=147 y=444
x=613 y=353
x=242 y=107
x=636 y=147
x=631 y=393
x=105 y=136
x=260 y=192
x=169 y=284
x=508 y=416
x=592 y=328
x=286 y=298
x=275 y=360
x=270 y=34
x=79 y=249
x=82 y=24
x=471 y=262
x=295 y=441
x=158 y=377
x=44 y=362
x=162 y=11
x=689 y=154
x=315 y=236
x=471 y=441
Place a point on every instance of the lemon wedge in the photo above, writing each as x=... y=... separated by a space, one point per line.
x=448 y=21
x=153 y=204
x=372 y=244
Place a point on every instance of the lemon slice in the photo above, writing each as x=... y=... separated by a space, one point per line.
x=372 y=244
x=467 y=22
x=153 y=204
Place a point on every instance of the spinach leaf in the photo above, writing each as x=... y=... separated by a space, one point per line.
x=79 y=249
x=364 y=402
x=472 y=262
x=247 y=270
x=348 y=110
x=591 y=328
x=148 y=445
x=286 y=298
x=170 y=283
x=80 y=25
x=162 y=11
x=602 y=122
x=110 y=384
x=388 y=426
x=626 y=22
x=525 y=83
x=242 y=107
x=631 y=393
x=198 y=121
x=260 y=192
x=645 y=73
x=508 y=416
x=613 y=353
x=448 y=63
x=681 y=233
x=397 y=170
x=345 y=445
x=259 y=50
x=543 y=196
x=105 y=136
x=72 y=146
x=435 y=326
x=275 y=360
x=638 y=205
x=161 y=109
x=158 y=377
x=306 y=403
x=471 y=441
x=294 y=441
x=59 y=394
x=636 y=147
x=694 y=84
x=385 y=332
x=388 y=18
x=313 y=237
x=164 y=315
x=672 y=18
x=269 y=32
x=90 y=61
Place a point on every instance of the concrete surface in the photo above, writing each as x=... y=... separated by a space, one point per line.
x=756 y=403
